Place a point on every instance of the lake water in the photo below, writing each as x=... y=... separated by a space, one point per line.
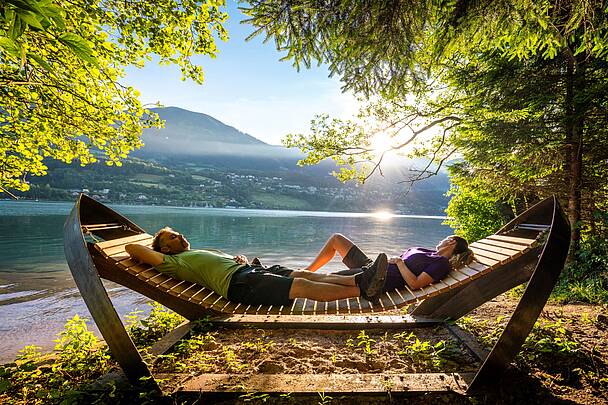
x=37 y=293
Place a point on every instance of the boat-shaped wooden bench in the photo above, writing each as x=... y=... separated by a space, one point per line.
x=532 y=248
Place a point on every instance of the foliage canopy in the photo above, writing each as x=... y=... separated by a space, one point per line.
x=61 y=64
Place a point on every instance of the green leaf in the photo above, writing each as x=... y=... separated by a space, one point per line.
x=11 y=47
x=30 y=18
x=41 y=62
x=79 y=47
x=4 y=385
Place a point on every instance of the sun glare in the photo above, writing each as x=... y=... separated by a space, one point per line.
x=381 y=142
x=383 y=215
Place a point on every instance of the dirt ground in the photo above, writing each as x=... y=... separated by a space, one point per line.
x=578 y=374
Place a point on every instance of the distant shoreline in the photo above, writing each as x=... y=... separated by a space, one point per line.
x=380 y=214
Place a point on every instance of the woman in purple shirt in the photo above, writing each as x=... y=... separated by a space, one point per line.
x=418 y=267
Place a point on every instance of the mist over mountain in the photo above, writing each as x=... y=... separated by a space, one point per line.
x=198 y=161
x=193 y=135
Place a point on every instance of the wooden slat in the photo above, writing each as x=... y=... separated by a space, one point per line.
x=196 y=297
x=486 y=261
x=537 y=226
x=491 y=255
x=122 y=241
x=390 y=299
x=513 y=239
x=98 y=227
x=497 y=249
x=506 y=245
x=112 y=251
x=298 y=305
x=457 y=276
x=178 y=288
x=348 y=305
x=189 y=291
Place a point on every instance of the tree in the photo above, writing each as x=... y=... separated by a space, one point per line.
x=60 y=70
x=402 y=51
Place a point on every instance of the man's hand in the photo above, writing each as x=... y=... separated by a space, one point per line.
x=241 y=259
x=395 y=260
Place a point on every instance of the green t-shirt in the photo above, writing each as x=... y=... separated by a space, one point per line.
x=211 y=268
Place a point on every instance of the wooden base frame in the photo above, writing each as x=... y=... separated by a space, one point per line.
x=542 y=276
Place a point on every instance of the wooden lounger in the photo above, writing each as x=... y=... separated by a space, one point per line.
x=96 y=236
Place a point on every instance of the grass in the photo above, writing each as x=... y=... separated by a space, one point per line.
x=277 y=201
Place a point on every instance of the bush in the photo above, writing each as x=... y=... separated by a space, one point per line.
x=585 y=279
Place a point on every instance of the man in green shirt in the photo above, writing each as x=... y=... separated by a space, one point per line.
x=234 y=278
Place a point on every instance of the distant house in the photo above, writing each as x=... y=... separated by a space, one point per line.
x=142 y=197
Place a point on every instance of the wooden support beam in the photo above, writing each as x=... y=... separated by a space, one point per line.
x=329 y=322
x=226 y=386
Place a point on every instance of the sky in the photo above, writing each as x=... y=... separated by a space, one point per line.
x=247 y=87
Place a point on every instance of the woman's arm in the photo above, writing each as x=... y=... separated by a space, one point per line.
x=145 y=254
x=413 y=281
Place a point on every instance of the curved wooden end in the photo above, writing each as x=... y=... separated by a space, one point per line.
x=97 y=300
x=544 y=278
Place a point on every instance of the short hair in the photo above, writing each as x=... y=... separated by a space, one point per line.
x=156 y=241
x=461 y=244
x=461 y=255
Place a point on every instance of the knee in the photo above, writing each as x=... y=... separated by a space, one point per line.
x=299 y=274
x=337 y=238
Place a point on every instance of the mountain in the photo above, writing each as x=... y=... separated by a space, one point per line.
x=197 y=160
x=193 y=134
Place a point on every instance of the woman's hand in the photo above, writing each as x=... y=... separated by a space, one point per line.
x=395 y=260
x=241 y=259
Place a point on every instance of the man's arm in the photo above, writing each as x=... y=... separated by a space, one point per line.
x=145 y=254
x=415 y=282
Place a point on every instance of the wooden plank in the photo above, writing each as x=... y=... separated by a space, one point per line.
x=469 y=342
x=196 y=297
x=390 y=299
x=171 y=338
x=234 y=385
x=456 y=276
x=512 y=239
x=112 y=251
x=486 y=261
x=490 y=255
x=298 y=305
x=497 y=249
x=537 y=226
x=506 y=245
x=112 y=225
x=123 y=241
x=326 y=322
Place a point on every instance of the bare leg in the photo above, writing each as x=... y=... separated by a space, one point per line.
x=348 y=280
x=302 y=288
x=336 y=243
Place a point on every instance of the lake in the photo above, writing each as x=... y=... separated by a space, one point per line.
x=38 y=295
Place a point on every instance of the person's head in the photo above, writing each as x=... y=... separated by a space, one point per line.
x=456 y=249
x=170 y=242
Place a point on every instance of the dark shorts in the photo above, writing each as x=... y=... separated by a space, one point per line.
x=256 y=285
x=355 y=259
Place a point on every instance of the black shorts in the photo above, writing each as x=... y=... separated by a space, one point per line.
x=256 y=285
x=354 y=260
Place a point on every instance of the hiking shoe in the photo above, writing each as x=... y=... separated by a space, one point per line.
x=373 y=278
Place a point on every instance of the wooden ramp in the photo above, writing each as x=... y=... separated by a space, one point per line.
x=96 y=236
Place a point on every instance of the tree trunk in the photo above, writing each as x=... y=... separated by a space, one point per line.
x=575 y=81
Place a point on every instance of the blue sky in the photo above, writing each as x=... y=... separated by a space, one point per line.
x=247 y=87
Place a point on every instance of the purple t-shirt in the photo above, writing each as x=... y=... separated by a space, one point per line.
x=418 y=260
